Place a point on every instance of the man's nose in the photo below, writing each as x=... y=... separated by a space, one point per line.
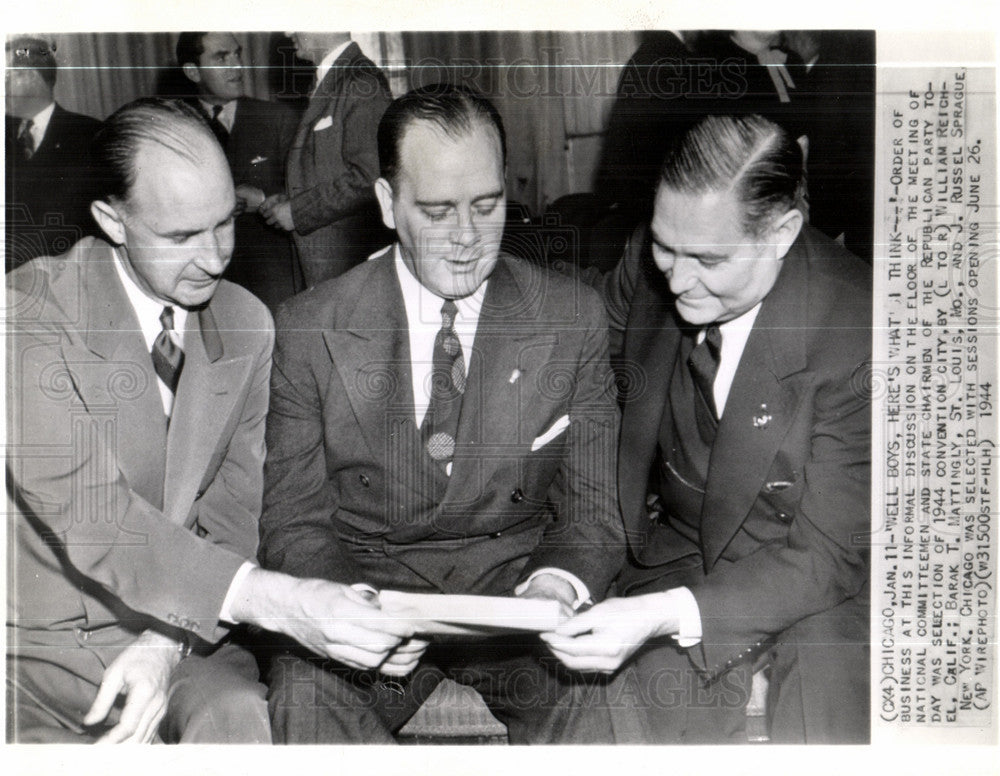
x=464 y=232
x=683 y=274
x=216 y=251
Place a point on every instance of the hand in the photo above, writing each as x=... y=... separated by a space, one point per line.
x=249 y=197
x=554 y=587
x=277 y=211
x=328 y=618
x=404 y=658
x=142 y=673
x=606 y=635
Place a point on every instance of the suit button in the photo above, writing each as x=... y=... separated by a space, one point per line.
x=365 y=482
x=495 y=535
x=517 y=496
x=784 y=517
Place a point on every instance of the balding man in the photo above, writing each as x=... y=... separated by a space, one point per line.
x=750 y=335
x=137 y=388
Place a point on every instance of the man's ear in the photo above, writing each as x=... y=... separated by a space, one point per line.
x=192 y=72
x=785 y=230
x=383 y=193
x=109 y=219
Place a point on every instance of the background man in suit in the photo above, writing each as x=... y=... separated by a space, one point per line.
x=256 y=135
x=329 y=205
x=48 y=166
x=441 y=421
x=138 y=385
x=752 y=333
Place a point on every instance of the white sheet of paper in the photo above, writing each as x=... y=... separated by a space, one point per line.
x=472 y=614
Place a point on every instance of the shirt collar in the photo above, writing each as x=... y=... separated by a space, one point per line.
x=227 y=115
x=423 y=307
x=327 y=62
x=147 y=308
x=40 y=122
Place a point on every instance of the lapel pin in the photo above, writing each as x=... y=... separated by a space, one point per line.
x=258 y=159
x=513 y=376
x=762 y=418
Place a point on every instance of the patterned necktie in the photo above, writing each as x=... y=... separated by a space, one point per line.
x=440 y=425
x=168 y=359
x=218 y=127
x=704 y=363
x=25 y=140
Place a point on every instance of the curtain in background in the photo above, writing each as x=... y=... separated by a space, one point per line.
x=100 y=72
x=553 y=89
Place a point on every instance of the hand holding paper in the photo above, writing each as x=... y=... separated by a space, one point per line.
x=471 y=614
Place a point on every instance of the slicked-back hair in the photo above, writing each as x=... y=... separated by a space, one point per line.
x=749 y=155
x=149 y=120
x=190 y=47
x=453 y=109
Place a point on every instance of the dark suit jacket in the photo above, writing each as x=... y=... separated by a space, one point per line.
x=346 y=496
x=786 y=507
x=49 y=195
x=332 y=164
x=257 y=148
x=119 y=524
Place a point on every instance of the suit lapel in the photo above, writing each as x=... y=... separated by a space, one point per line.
x=762 y=403
x=372 y=357
x=124 y=382
x=495 y=408
x=206 y=394
x=650 y=352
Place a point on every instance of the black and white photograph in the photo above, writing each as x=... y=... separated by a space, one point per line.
x=457 y=385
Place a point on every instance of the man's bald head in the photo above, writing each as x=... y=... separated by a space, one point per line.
x=169 y=124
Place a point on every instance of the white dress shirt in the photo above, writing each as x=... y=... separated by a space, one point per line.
x=39 y=124
x=227 y=116
x=735 y=334
x=147 y=310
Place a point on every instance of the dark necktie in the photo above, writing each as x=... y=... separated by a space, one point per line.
x=168 y=359
x=704 y=363
x=25 y=140
x=440 y=425
x=218 y=127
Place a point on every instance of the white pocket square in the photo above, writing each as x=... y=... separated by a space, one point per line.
x=323 y=123
x=555 y=430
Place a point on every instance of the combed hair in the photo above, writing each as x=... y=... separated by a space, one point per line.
x=453 y=108
x=168 y=123
x=190 y=47
x=749 y=155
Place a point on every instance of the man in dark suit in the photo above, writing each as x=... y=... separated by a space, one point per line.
x=329 y=205
x=746 y=342
x=256 y=135
x=137 y=392
x=49 y=172
x=441 y=421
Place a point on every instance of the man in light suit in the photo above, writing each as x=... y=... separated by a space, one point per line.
x=137 y=393
x=746 y=343
x=442 y=421
x=255 y=135
x=48 y=161
x=329 y=205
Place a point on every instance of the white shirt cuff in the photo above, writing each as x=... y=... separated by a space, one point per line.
x=227 y=604
x=683 y=602
x=582 y=593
